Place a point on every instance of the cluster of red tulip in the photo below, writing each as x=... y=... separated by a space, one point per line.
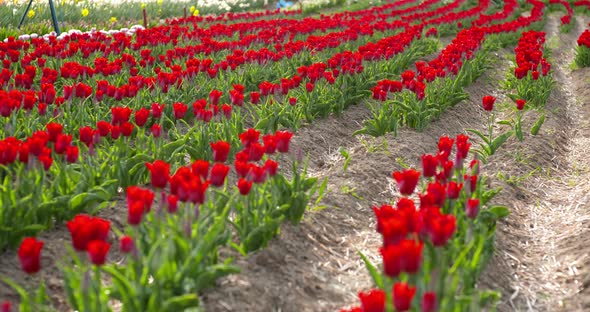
x=188 y=185
x=89 y=44
x=464 y=46
x=529 y=55
x=566 y=19
x=73 y=78
x=407 y=230
x=582 y=3
x=39 y=146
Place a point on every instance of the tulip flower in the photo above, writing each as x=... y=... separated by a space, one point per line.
x=406 y=180
x=29 y=255
x=428 y=303
x=488 y=102
x=472 y=208
x=373 y=300
x=126 y=244
x=429 y=165
x=402 y=296
x=244 y=186
x=159 y=172
x=219 y=172
x=84 y=229
x=97 y=251
x=220 y=150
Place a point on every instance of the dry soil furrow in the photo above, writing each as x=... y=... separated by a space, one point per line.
x=543 y=241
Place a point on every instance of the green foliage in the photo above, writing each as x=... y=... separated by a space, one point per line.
x=582 y=58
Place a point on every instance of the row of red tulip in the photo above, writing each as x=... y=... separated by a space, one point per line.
x=428 y=251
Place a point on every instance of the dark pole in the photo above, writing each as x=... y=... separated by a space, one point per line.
x=22 y=19
x=144 y=18
x=53 y=17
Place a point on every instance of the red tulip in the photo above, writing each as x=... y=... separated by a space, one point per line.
x=29 y=255
x=463 y=145
x=156 y=130
x=127 y=244
x=6 y=306
x=488 y=102
x=115 y=132
x=103 y=128
x=46 y=161
x=157 y=110
x=402 y=296
x=428 y=302
x=87 y=135
x=406 y=180
x=445 y=144
x=84 y=229
x=404 y=256
x=520 y=104
x=454 y=189
x=372 y=301
x=244 y=186
x=226 y=109
x=218 y=173
x=220 y=150
x=141 y=116
x=270 y=144
x=254 y=97
x=242 y=168
x=258 y=174
x=472 y=182
x=23 y=153
x=97 y=251
x=201 y=168
x=127 y=129
x=62 y=143
x=179 y=109
x=72 y=154
x=429 y=165
x=54 y=129
x=441 y=229
x=172 y=203
x=271 y=167
x=144 y=196
x=472 y=208
x=120 y=115
x=249 y=136
x=214 y=96
x=135 y=213
x=255 y=151
x=159 y=173
x=283 y=138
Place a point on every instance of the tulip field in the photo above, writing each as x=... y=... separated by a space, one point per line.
x=337 y=156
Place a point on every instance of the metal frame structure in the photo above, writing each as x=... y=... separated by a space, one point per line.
x=53 y=16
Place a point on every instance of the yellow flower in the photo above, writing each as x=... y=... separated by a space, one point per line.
x=160 y=2
x=31 y=13
x=196 y=13
x=113 y=19
x=143 y=5
x=85 y=12
x=192 y=9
